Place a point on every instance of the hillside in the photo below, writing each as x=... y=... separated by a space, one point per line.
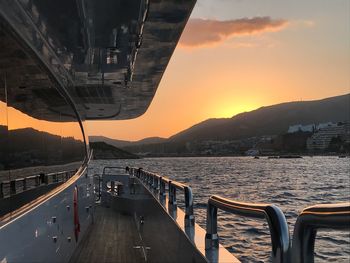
x=121 y=143
x=102 y=150
x=270 y=120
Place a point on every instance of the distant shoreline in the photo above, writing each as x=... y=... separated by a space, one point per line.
x=262 y=156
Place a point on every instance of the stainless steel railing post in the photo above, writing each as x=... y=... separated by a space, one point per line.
x=158 y=183
x=141 y=174
x=148 y=178
x=277 y=223
x=211 y=237
x=189 y=216
x=311 y=219
x=162 y=187
x=151 y=181
x=172 y=194
x=155 y=182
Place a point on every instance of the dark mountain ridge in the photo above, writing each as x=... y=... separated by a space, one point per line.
x=123 y=143
x=103 y=150
x=270 y=120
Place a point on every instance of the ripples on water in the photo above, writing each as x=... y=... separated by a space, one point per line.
x=292 y=184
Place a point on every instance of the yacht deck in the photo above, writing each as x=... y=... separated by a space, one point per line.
x=113 y=237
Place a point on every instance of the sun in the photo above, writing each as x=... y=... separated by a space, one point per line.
x=228 y=111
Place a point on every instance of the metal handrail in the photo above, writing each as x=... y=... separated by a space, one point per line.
x=311 y=219
x=158 y=183
x=189 y=215
x=301 y=250
x=277 y=224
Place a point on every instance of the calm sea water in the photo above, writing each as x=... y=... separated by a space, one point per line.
x=292 y=184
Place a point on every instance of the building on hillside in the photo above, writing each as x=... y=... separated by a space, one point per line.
x=310 y=127
x=302 y=128
x=326 y=124
x=321 y=139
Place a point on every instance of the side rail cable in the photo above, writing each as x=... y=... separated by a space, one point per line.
x=276 y=220
x=336 y=216
x=158 y=183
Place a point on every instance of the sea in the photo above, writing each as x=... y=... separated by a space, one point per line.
x=291 y=184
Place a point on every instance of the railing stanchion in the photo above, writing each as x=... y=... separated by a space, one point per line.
x=162 y=187
x=157 y=184
x=311 y=219
x=211 y=237
x=277 y=224
x=172 y=194
x=189 y=216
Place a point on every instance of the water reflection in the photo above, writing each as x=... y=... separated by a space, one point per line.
x=30 y=145
x=35 y=153
x=3 y=137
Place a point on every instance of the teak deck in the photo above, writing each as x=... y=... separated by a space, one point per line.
x=113 y=237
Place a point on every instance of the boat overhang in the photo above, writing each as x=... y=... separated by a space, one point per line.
x=107 y=57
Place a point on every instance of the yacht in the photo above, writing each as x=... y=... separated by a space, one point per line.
x=66 y=62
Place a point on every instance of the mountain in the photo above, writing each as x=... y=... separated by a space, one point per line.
x=149 y=140
x=121 y=143
x=114 y=142
x=103 y=150
x=269 y=120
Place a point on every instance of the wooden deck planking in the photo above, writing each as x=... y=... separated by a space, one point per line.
x=111 y=238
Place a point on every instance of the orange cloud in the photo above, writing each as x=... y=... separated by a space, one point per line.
x=206 y=32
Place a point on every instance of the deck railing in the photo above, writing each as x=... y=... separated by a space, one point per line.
x=158 y=183
x=311 y=219
x=274 y=216
x=10 y=188
x=301 y=250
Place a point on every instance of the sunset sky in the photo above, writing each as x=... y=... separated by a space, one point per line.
x=238 y=55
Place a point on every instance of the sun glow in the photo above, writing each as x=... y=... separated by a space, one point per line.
x=230 y=111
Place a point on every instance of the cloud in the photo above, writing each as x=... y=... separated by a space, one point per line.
x=303 y=24
x=207 y=32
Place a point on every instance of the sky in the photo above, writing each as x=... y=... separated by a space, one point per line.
x=239 y=55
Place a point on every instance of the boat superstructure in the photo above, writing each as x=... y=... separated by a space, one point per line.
x=65 y=62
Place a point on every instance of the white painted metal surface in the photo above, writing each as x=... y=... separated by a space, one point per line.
x=46 y=232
